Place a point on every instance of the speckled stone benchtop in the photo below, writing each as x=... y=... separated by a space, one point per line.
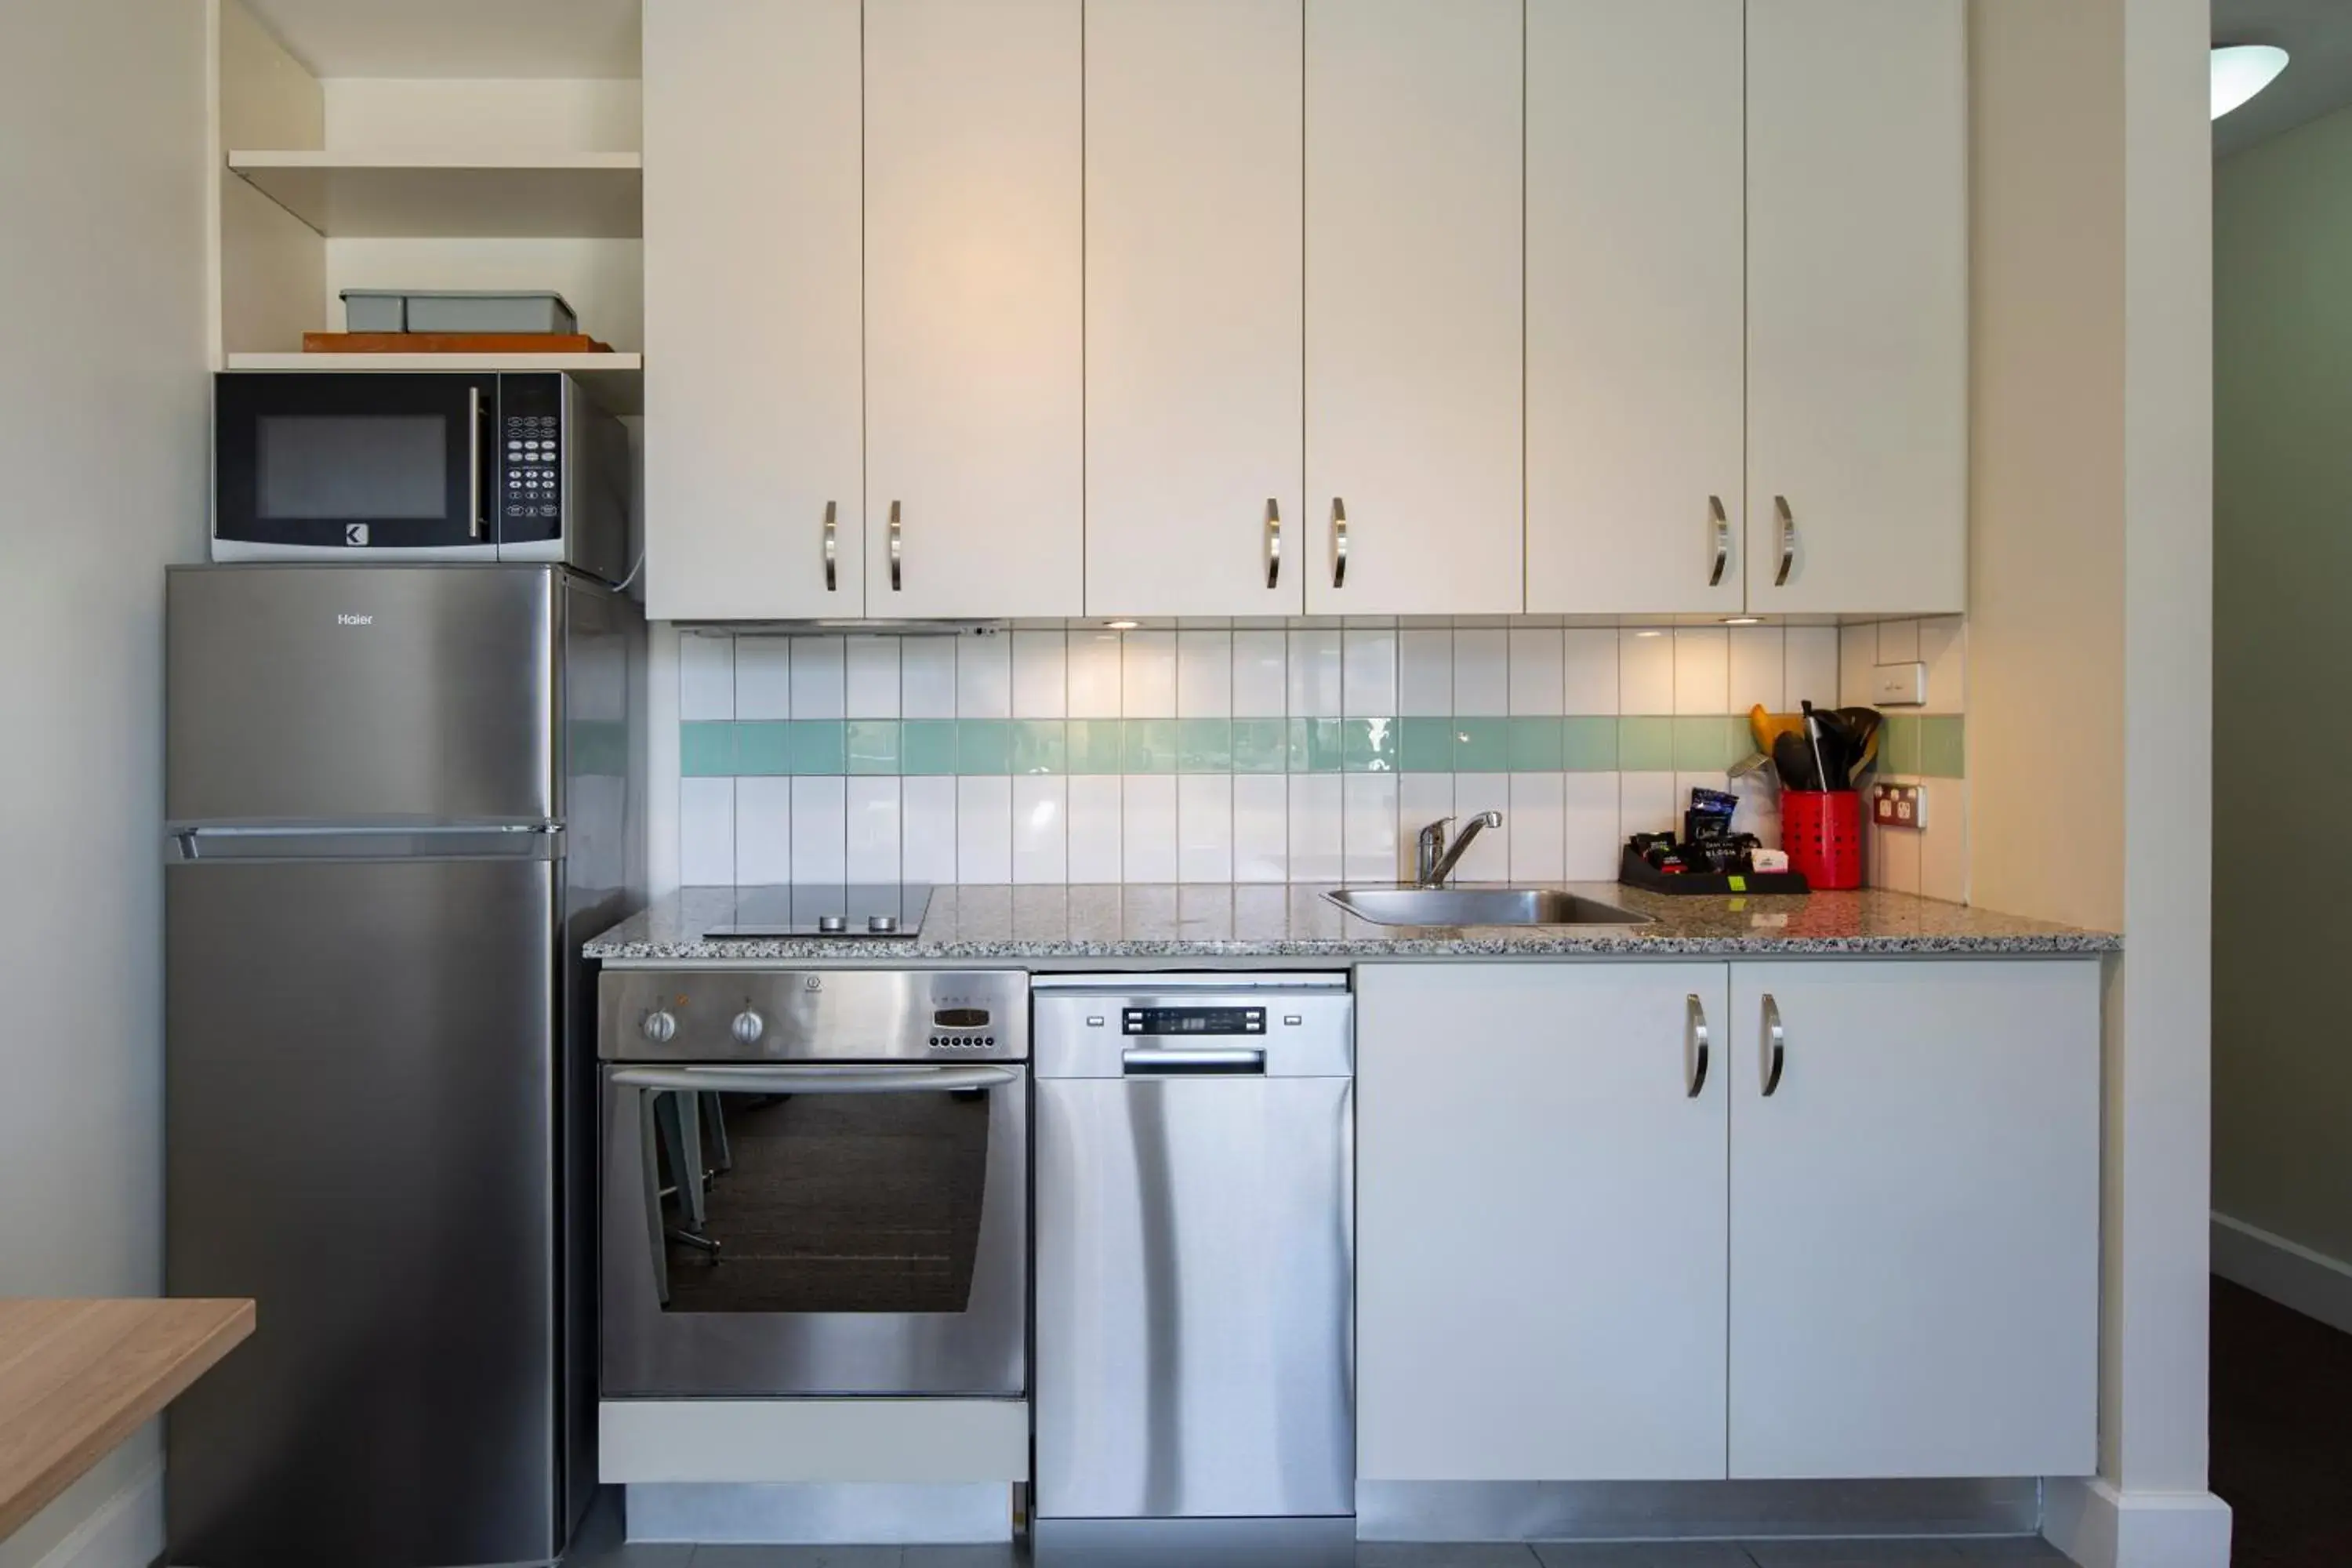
x=1150 y=925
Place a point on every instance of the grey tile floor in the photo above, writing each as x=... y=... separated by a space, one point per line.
x=1635 y=1554
x=600 y=1546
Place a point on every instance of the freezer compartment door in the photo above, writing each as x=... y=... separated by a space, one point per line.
x=344 y=694
x=1195 y=1260
x=361 y=1135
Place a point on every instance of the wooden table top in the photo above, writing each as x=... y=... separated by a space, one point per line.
x=77 y=1377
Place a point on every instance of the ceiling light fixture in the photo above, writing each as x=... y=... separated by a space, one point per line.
x=2241 y=70
x=1650 y=633
x=1122 y=626
x=1743 y=620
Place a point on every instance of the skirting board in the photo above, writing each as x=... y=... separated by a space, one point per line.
x=839 y=1515
x=2294 y=1276
x=2100 y=1527
x=126 y=1530
x=1664 y=1511
x=904 y=1442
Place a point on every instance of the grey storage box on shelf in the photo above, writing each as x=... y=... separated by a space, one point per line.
x=455 y=310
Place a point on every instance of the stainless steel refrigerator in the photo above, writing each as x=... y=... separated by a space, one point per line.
x=398 y=799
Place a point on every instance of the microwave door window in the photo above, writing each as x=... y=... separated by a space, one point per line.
x=820 y=1203
x=358 y=467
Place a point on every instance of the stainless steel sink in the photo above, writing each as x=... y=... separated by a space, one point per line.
x=1481 y=907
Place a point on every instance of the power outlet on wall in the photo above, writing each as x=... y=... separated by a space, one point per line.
x=1898 y=804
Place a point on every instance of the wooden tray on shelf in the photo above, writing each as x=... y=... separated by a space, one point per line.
x=452 y=344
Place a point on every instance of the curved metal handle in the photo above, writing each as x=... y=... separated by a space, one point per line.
x=1719 y=522
x=1788 y=521
x=1695 y=1041
x=1272 y=542
x=474 y=461
x=1144 y=1061
x=1776 y=1041
x=1338 y=543
x=751 y=1079
x=832 y=550
x=897 y=552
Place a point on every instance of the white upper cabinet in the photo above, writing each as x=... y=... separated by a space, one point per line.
x=1414 y=326
x=754 y=403
x=974 y=316
x=1915 y=1218
x=1194 y=309
x=1636 y=415
x=1857 y=306
x=1540 y=1217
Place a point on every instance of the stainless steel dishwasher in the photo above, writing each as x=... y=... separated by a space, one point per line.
x=1195 y=1202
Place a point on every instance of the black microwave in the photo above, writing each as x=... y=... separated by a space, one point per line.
x=397 y=466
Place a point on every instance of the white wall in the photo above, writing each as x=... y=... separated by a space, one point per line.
x=102 y=422
x=2046 y=483
x=2282 y=336
x=2160 y=1089
x=2090 y=662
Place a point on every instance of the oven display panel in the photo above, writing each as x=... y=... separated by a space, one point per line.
x=1192 y=1020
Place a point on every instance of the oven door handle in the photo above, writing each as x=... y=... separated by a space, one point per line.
x=751 y=1079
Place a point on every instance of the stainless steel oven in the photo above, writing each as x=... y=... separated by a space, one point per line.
x=353 y=465
x=814 y=1183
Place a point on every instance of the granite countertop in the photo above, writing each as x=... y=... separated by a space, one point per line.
x=1212 y=920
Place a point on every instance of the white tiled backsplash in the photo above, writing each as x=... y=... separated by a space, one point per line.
x=1932 y=860
x=1304 y=823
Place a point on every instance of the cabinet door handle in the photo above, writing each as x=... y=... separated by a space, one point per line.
x=1272 y=542
x=1788 y=521
x=1719 y=524
x=1694 y=1044
x=1338 y=543
x=898 y=550
x=832 y=550
x=1776 y=1041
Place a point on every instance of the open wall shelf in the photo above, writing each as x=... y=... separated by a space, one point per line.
x=366 y=196
x=616 y=381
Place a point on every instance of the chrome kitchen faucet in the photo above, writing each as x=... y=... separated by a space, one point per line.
x=1433 y=861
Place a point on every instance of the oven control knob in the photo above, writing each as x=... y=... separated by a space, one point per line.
x=659 y=1026
x=748 y=1027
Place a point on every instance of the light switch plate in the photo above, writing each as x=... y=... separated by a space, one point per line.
x=1899 y=805
x=1898 y=685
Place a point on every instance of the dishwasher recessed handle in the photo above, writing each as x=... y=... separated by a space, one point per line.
x=1143 y=1061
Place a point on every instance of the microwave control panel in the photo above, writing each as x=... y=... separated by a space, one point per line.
x=531 y=452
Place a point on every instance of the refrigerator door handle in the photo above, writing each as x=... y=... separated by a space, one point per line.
x=351 y=840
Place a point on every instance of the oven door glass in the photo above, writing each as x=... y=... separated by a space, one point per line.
x=815 y=1229
x=356 y=460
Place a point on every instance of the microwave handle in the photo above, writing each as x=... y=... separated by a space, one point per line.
x=474 y=460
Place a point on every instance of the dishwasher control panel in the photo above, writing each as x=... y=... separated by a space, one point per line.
x=1270 y=1025
x=1193 y=1021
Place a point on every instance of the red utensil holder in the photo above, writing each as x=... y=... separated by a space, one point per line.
x=1822 y=831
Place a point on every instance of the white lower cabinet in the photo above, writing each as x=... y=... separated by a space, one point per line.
x=1580 y=1256
x=1541 y=1279
x=1915 y=1219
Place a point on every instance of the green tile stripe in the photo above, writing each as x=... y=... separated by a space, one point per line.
x=1942 y=746
x=1927 y=746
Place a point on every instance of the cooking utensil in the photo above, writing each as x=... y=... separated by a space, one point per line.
x=1767 y=728
x=1813 y=739
x=1795 y=761
x=1866 y=724
x=1837 y=746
